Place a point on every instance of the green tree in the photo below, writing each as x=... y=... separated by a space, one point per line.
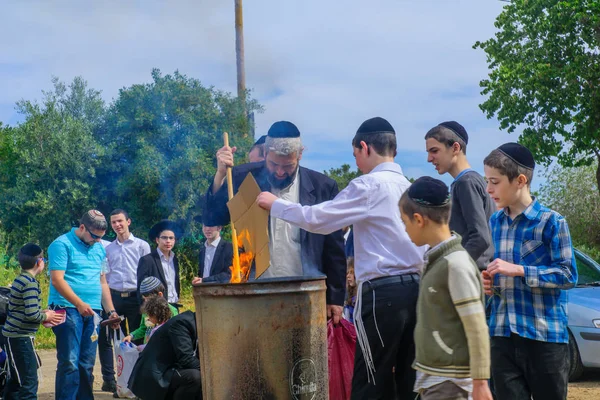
x=342 y=175
x=544 y=73
x=569 y=191
x=162 y=139
x=48 y=163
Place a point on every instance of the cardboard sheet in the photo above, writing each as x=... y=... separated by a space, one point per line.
x=248 y=216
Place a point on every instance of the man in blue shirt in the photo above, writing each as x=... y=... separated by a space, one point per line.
x=78 y=286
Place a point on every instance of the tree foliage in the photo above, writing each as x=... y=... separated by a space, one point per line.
x=48 y=163
x=545 y=76
x=569 y=191
x=342 y=175
x=151 y=152
x=163 y=137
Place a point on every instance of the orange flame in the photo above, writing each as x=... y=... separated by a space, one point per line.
x=240 y=273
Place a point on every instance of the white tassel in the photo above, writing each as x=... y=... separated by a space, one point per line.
x=13 y=361
x=361 y=335
x=39 y=363
x=375 y=319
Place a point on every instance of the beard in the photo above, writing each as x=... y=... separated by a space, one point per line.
x=280 y=184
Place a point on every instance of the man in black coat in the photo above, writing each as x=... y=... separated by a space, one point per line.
x=162 y=261
x=294 y=252
x=169 y=367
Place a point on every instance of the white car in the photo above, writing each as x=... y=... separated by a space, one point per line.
x=584 y=317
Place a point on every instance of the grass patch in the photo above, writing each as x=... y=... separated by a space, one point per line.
x=45 y=338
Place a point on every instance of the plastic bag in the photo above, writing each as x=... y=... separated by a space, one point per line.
x=126 y=354
x=97 y=320
x=341 y=346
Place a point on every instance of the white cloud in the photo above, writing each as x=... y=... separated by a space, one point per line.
x=326 y=66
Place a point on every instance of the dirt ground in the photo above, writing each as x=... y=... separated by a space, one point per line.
x=588 y=388
x=46 y=388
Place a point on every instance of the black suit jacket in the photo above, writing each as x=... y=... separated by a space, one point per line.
x=219 y=268
x=174 y=346
x=150 y=265
x=320 y=253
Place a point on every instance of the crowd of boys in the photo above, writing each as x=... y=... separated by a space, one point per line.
x=425 y=258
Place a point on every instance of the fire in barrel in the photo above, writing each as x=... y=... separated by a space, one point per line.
x=263 y=339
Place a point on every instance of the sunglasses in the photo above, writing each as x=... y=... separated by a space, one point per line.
x=45 y=260
x=94 y=236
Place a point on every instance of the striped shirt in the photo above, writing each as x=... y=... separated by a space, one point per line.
x=24 y=310
x=533 y=306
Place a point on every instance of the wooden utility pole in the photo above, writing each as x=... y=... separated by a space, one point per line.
x=239 y=49
x=239 y=55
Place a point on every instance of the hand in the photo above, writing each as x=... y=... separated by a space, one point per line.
x=53 y=318
x=225 y=159
x=116 y=324
x=499 y=266
x=334 y=312
x=265 y=200
x=85 y=310
x=481 y=390
x=487 y=282
x=196 y=280
x=127 y=339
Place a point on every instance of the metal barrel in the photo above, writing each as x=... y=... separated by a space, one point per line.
x=265 y=339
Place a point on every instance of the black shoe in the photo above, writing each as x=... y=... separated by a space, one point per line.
x=109 y=386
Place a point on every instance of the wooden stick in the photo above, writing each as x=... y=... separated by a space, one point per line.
x=234 y=238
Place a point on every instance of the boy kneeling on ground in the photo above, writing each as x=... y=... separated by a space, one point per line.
x=151 y=287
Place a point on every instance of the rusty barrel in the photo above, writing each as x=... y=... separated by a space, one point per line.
x=264 y=339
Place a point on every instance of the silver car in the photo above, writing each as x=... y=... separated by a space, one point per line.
x=584 y=317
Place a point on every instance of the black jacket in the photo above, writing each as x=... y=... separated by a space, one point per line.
x=324 y=253
x=219 y=268
x=150 y=265
x=174 y=346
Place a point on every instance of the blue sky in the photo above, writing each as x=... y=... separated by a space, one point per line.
x=326 y=66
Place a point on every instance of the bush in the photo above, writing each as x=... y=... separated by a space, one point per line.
x=574 y=194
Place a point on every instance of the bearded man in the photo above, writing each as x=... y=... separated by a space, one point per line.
x=294 y=251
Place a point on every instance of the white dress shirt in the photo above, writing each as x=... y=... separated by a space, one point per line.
x=123 y=261
x=370 y=204
x=169 y=270
x=209 y=255
x=285 y=246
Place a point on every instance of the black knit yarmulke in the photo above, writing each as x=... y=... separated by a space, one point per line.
x=519 y=154
x=429 y=192
x=31 y=250
x=283 y=129
x=457 y=128
x=375 y=125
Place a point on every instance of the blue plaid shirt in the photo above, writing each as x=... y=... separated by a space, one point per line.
x=533 y=306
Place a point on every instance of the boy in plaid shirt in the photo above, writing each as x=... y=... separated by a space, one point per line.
x=533 y=265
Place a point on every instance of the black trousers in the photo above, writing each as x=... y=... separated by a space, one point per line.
x=523 y=369
x=130 y=308
x=185 y=385
x=23 y=364
x=395 y=317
